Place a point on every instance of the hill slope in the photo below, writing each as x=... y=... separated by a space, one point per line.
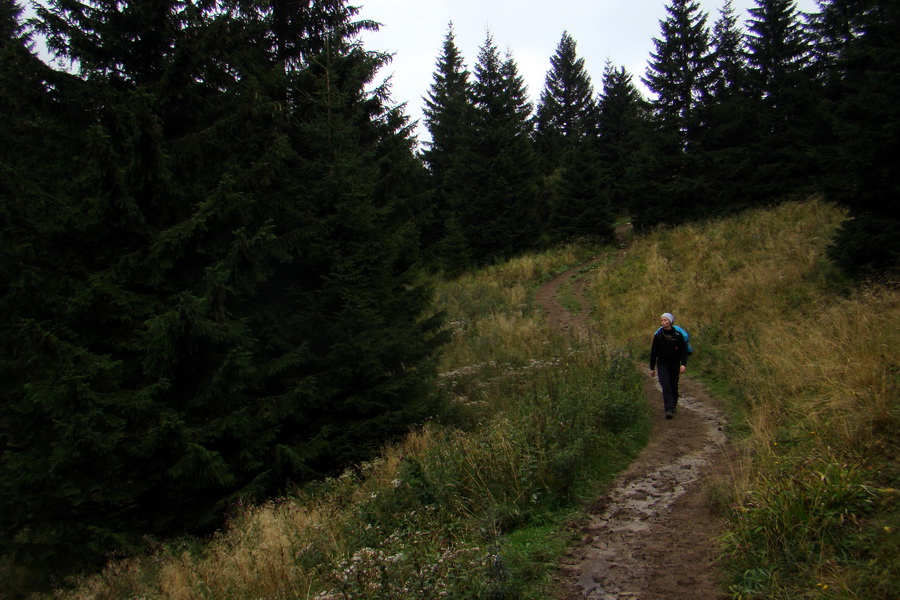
x=808 y=369
x=474 y=504
x=653 y=534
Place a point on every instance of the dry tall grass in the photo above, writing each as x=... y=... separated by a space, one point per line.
x=492 y=310
x=814 y=378
x=756 y=295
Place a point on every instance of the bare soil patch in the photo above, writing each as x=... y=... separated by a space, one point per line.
x=653 y=535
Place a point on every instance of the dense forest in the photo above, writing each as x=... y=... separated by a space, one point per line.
x=216 y=228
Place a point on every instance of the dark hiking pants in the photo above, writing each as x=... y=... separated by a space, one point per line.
x=668 y=374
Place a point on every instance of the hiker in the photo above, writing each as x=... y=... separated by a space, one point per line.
x=668 y=353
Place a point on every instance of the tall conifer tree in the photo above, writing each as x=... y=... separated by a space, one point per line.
x=566 y=143
x=622 y=124
x=784 y=90
x=26 y=133
x=566 y=112
x=500 y=217
x=447 y=108
x=679 y=77
x=679 y=72
x=861 y=60
x=221 y=299
x=729 y=75
x=729 y=119
x=449 y=120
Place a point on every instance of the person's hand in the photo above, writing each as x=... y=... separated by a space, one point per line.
x=683 y=369
x=652 y=372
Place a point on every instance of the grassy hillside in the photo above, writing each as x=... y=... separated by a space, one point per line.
x=810 y=371
x=471 y=505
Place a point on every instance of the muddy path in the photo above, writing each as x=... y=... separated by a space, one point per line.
x=652 y=536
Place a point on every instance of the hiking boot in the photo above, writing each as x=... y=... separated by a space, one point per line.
x=668 y=414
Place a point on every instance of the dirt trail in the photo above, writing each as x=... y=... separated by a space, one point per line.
x=652 y=536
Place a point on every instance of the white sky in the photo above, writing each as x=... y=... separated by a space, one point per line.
x=621 y=31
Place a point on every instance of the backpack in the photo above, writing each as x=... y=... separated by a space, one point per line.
x=684 y=334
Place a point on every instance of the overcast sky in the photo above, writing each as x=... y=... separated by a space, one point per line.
x=620 y=31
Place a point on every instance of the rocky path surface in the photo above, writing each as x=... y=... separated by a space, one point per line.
x=652 y=536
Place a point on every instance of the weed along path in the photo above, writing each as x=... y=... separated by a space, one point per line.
x=652 y=536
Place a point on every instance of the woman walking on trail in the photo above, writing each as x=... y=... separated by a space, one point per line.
x=669 y=354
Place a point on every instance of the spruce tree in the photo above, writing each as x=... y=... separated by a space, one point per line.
x=778 y=52
x=566 y=112
x=25 y=133
x=784 y=91
x=622 y=124
x=679 y=76
x=583 y=208
x=831 y=30
x=449 y=120
x=447 y=108
x=219 y=297
x=22 y=89
x=729 y=119
x=729 y=75
x=860 y=63
x=565 y=141
x=29 y=165
x=499 y=217
x=680 y=70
